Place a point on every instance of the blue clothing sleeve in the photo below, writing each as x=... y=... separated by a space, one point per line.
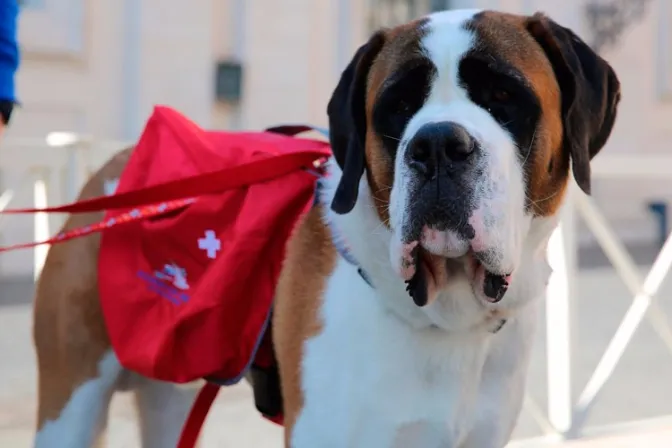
x=9 y=48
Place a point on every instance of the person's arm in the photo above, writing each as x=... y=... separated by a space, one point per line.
x=9 y=57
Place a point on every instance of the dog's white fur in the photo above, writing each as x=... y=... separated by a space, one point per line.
x=500 y=190
x=162 y=409
x=386 y=373
x=378 y=346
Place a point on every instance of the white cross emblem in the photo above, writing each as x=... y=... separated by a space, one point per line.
x=210 y=243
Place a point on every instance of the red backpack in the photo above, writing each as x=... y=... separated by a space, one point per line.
x=192 y=247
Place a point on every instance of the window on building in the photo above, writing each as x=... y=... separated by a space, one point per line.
x=386 y=13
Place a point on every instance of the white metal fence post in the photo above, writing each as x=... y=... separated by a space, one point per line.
x=41 y=220
x=630 y=323
x=562 y=258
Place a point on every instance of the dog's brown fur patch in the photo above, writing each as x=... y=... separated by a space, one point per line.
x=401 y=44
x=68 y=328
x=506 y=35
x=310 y=259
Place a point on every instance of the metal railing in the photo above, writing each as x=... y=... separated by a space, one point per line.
x=42 y=163
x=566 y=419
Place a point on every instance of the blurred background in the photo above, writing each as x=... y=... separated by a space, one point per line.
x=91 y=71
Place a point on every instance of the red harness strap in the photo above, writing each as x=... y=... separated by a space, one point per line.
x=199 y=411
x=164 y=198
x=144 y=212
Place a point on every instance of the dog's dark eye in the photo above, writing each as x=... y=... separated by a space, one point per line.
x=403 y=107
x=400 y=99
x=500 y=102
x=501 y=95
x=504 y=93
x=495 y=90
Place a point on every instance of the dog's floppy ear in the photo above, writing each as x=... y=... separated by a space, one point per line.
x=590 y=93
x=347 y=123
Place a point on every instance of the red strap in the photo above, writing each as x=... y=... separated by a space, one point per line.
x=134 y=215
x=199 y=411
x=208 y=183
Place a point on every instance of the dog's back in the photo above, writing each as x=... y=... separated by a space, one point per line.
x=77 y=369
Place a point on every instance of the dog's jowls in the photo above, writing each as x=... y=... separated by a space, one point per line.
x=453 y=138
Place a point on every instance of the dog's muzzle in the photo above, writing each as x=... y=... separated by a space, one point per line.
x=444 y=163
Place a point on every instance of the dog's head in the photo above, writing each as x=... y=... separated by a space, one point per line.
x=466 y=124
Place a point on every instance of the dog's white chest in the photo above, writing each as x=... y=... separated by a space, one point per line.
x=370 y=380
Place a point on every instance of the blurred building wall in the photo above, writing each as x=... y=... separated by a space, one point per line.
x=98 y=67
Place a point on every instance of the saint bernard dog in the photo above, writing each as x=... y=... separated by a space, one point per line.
x=454 y=138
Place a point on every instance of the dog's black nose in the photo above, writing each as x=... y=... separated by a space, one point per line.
x=439 y=144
